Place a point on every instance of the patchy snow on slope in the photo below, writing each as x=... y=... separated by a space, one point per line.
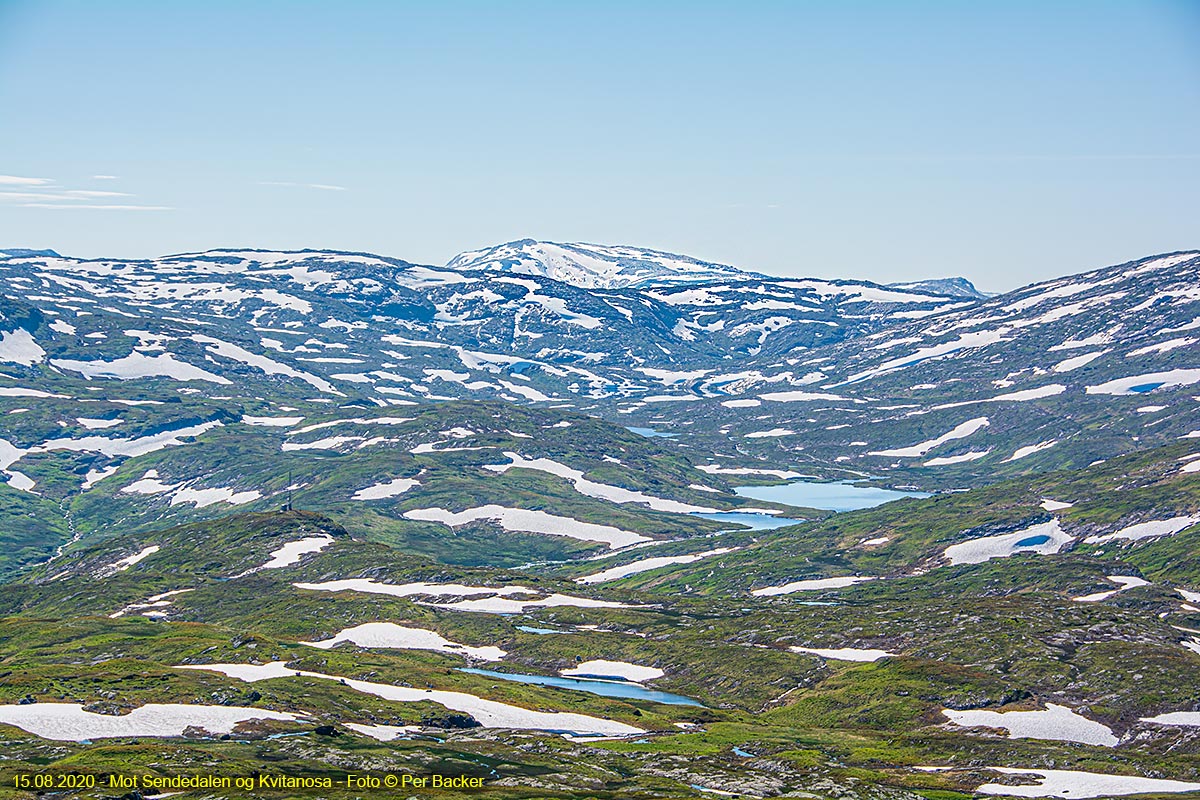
x=1057 y=723
x=125 y=447
x=963 y=342
x=1182 y=718
x=1161 y=347
x=973 y=455
x=1147 y=530
x=1044 y=538
x=1075 y=785
x=1049 y=390
x=272 y=422
x=267 y=365
x=127 y=562
x=809 y=585
x=1030 y=449
x=646 y=564
x=489 y=713
x=1075 y=362
x=383 y=733
x=1123 y=581
x=714 y=469
x=94 y=476
x=18 y=347
x=413 y=589
x=921 y=448
x=774 y=433
x=20 y=481
x=622 y=670
x=391 y=635
x=1140 y=384
x=69 y=722
x=1054 y=505
x=504 y=605
x=522 y=520
x=201 y=498
x=798 y=396
x=381 y=491
x=19 y=391
x=97 y=424
x=602 y=491
x=138 y=365
x=291 y=552
x=844 y=653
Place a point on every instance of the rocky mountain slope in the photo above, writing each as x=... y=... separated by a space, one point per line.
x=333 y=509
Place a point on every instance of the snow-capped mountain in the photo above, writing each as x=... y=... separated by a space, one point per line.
x=832 y=375
x=948 y=287
x=595 y=266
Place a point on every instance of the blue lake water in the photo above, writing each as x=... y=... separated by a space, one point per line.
x=827 y=496
x=758 y=522
x=650 y=432
x=1033 y=541
x=630 y=691
x=538 y=631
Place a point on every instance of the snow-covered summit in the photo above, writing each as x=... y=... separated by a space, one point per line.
x=595 y=266
x=946 y=287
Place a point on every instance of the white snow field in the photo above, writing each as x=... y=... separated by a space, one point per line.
x=602 y=491
x=70 y=723
x=1075 y=785
x=18 y=347
x=810 y=585
x=496 y=603
x=844 y=653
x=960 y=431
x=410 y=589
x=1183 y=718
x=524 y=521
x=129 y=561
x=291 y=552
x=489 y=713
x=138 y=365
x=1044 y=538
x=383 y=733
x=1140 y=384
x=400 y=637
x=1123 y=581
x=503 y=605
x=381 y=491
x=1054 y=505
x=1147 y=530
x=646 y=564
x=622 y=670
x=1056 y=722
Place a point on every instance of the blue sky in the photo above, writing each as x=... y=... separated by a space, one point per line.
x=1007 y=142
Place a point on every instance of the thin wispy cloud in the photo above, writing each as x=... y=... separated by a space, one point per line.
x=104 y=177
x=94 y=193
x=46 y=193
x=13 y=180
x=328 y=187
x=95 y=207
x=23 y=196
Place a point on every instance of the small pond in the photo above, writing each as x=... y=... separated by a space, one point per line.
x=827 y=496
x=604 y=688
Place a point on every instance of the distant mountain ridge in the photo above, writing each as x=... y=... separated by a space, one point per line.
x=948 y=287
x=595 y=266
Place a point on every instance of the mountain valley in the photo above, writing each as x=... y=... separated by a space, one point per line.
x=589 y=521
